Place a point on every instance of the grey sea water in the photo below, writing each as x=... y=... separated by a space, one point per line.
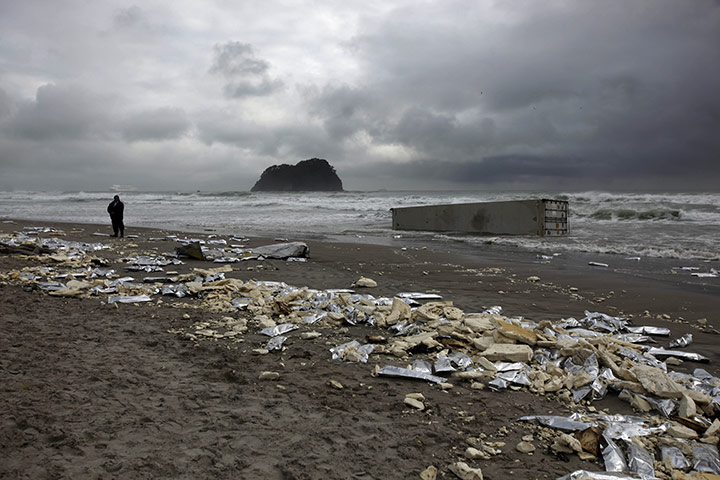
x=659 y=225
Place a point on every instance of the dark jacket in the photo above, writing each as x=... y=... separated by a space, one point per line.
x=115 y=209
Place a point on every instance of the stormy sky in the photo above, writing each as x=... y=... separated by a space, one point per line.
x=204 y=95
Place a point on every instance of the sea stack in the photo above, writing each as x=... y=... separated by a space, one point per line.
x=315 y=174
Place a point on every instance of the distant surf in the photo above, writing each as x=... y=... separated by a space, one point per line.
x=663 y=225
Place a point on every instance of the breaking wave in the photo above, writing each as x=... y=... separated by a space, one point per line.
x=630 y=214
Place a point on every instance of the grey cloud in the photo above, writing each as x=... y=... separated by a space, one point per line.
x=66 y=112
x=345 y=110
x=128 y=17
x=286 y=142
x=590 y=92
x=246 y=75
x=235 y=58
x=158 y=124
x=6 y=106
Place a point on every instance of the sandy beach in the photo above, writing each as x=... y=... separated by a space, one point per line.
x=92 y=389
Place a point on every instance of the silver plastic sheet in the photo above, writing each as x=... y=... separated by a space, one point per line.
x=634 y=338
x=422 y=366
x=460 y=360
x=585 y=475
x=674 y=457
x=599 y=388
x=405 y=328
x=613 y=456
x=648 y=330
x=494 y=310
x=51 y=286
x=627 y=430
x=509 y=367
x=158 y=280
x=275 y=343
x=641 y=359
x=498 y=383
x=703 y=374
x=705 y=458
x=580 y=394
x=683 y=341
x=418 y=296
x=518 y=377
x=144 y=268
x=279 y=329
x=602 y=321
x=129 y=299
x=443 y=364
x=391 y=371
x=640 y=460
x=363 y=351
x=570 y=424
x=662 y=352
x=175 y=290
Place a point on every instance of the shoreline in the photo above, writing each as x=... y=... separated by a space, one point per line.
x=103 y=389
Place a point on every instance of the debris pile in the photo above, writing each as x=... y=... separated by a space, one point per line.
x=427 y=338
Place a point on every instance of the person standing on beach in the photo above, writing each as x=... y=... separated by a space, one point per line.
x=115 y=209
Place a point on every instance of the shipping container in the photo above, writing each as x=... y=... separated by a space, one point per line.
x=517 y=217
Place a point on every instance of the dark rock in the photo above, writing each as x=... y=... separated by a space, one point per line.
x=315 y=174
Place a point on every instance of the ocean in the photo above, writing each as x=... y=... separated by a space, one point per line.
x=659 y=225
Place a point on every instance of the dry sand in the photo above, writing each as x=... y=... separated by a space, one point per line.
x=93 y=390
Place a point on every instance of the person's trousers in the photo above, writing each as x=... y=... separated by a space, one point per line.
x=118 y=226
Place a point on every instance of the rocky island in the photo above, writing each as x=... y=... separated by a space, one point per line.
x=315 y=174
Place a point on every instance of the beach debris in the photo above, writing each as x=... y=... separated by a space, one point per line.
x=352 y=351
x=335 y=384
x=464 y=472
x=192 y=250
x=683 y=341
x=391 y=371
x=282 y=251
x=598 y=264
x=525 y=447
x=279 y=329
x=415 y=400
x=275 y=343
x=364 y=282
x=430 y=473
x=268 y=376
x=129 y=299
x=577 y=360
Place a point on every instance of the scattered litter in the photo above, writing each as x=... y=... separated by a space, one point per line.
x=597 y=264
x=683 y=341
x=129 y=299
x=390 y=371
x=282 y=251
x=662 y=352
x=275 y=343
x=364 y=282
x=352 y=352
x=279 y=329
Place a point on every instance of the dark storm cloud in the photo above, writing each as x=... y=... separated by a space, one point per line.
x=584 y=91
x=246 y=75
x=60 y=112
x=158 y=124
x=443 y=92
x=288 y=142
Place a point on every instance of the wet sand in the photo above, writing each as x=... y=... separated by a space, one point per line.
x=98 y=390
